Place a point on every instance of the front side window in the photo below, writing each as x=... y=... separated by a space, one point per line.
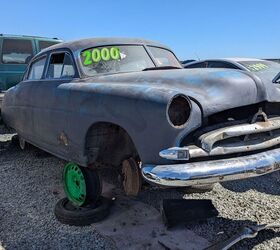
x=113 y=59
x=37 y=69
x=60 y=66
x=16 y=51
x=164 y=57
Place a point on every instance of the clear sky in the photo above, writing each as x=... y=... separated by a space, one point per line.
x=192 y=28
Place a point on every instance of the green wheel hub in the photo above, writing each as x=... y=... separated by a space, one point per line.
x=74 y=184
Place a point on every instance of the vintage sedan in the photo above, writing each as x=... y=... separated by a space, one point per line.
x=265 y=69
x=128 y=104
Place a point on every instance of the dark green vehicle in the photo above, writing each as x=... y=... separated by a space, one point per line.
x=15 y=53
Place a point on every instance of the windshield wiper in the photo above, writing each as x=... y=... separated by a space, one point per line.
x=276 y=78
x=161 y=68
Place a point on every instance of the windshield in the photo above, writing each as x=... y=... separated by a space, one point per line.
x=265 y=69
x=124 y=58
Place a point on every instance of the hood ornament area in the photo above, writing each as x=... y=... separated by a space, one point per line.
x=262 y=114
x=258 y=114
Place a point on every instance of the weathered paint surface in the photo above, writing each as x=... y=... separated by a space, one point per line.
x=42 y=110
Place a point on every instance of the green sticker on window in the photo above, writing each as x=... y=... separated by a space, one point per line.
x=257 y=67
x=115 y=53
x=105 y=54
x=87 y=58
x=95 y=55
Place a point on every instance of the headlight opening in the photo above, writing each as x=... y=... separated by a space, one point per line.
x=178 y=111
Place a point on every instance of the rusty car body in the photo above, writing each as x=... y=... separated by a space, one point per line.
x=187 y=127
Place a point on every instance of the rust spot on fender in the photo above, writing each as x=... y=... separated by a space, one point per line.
x=63 y=139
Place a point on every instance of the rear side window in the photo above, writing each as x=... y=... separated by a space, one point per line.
x=61 y=66
x=37 y=69
x=46 y=44
x=16 y=51
x=196 y=65
x=217 y=64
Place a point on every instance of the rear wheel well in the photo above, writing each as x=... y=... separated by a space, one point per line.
x=108 y=144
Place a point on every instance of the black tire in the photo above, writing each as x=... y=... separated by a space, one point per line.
x=93 y=185
x=69 y=214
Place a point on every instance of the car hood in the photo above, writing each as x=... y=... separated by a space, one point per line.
x=214 y=90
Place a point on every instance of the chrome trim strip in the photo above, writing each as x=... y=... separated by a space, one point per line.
x=207 y=172
x=193 y=151
x=233 y=148
x=207 y=140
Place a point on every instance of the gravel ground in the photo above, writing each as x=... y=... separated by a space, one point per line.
x=31 y=182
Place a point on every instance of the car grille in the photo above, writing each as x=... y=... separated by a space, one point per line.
x=237 y=131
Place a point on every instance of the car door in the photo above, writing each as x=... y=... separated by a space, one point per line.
x=23 y=103
x=50 y=101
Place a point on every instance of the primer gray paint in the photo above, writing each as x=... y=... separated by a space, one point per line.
x=41 y=110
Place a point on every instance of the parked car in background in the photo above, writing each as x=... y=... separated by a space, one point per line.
x=127 y=104
x=15 y=53
x=187 y=61
x=273 y=60
x=267 y=70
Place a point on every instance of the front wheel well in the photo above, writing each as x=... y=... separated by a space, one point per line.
x=108 y=144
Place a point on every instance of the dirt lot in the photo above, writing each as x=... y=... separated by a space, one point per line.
x=30 y=185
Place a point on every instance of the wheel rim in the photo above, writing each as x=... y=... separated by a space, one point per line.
x=74 y=184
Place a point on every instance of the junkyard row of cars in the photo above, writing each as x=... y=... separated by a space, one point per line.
x=129 y=104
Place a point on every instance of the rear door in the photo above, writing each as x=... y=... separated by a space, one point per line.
x=24 y=104
x=14 y=56
x=50 y=101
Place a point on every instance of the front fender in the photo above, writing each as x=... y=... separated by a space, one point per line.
x=139 y=110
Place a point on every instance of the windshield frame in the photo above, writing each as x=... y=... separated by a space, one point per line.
x=78 y=58
x=158 y=47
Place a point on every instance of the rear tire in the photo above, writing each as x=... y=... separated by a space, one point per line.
x=69 y=214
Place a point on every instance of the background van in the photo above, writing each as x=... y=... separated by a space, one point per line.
x=15 y=53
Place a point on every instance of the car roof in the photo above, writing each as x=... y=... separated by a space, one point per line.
x=32 y=37
x=239 y=59
x=234 y=60
x=95 y=42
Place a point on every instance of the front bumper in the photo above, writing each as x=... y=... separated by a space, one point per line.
x=207 y=172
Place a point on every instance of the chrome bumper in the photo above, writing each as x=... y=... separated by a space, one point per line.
x=207 y=172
